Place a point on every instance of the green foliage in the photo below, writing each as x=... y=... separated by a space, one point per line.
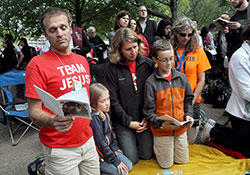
x=21 y=17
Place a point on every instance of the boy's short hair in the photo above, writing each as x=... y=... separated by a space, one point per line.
x=161 y=45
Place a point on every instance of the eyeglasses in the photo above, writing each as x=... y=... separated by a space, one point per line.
x=186 y=34
x=142 y=10
x=166 y=60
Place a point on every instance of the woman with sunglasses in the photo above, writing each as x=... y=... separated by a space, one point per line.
x=191 y=60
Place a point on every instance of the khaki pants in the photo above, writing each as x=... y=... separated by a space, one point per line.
x=171 y=149
x=81 y=160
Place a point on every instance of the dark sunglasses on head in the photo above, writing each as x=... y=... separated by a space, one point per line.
x=185 y=34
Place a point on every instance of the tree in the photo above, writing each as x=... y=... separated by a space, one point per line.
x=21 y=17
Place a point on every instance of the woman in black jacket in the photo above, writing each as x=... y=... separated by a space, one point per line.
x=26 y=49
x=125 y=79
x=9 y=60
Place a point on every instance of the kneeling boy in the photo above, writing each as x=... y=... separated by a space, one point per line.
x=168 y=92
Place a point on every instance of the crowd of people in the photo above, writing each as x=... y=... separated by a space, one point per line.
x=153 y=70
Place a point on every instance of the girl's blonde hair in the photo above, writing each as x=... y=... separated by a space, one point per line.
x=184 y=23
x=123 y=35
x=95 y=91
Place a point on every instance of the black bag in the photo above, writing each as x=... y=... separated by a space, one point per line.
x=222 y=94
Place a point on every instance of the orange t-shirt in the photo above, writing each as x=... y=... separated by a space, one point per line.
x=196 y=62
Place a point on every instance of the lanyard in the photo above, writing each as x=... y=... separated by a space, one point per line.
x=180 y=59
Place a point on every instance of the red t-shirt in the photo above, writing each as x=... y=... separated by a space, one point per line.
x=169 y=78
x=132 y=67
x=54 y=75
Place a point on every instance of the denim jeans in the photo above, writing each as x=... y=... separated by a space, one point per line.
x=134 y=145
x=111 y=169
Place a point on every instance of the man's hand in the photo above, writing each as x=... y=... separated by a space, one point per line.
x=234 y=25
x=63 y=123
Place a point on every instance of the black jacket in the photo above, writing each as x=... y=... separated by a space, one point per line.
x=126 y=103
x=99 y=43
x=233 y=37
x=103 y=135
x=150 y=31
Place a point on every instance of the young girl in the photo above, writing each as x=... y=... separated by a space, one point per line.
x=112 y=160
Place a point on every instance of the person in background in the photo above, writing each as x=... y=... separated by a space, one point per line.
x=121 y=20
x=146 y=27
x=235 y=138
x=205 y=39
x=125 y=78
x=19 y=55
x=208 y=46
x=212 y=28
x=26 y=50
x=133 y=26
x=67 y=142
x=168 y=92
x=191 y=60
x=8 y=60
x=238 y=22
x=163 y=30
x=199 y=32
x=112 y=160
x=79 y=42
x=221 y=44
x=100 y=46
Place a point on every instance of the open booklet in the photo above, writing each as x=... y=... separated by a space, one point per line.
x=222 y=21
x=176 y=122
x=74 y=103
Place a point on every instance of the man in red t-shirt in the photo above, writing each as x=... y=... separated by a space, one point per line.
x=67 y=142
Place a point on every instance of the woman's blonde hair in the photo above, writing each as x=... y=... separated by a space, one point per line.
x=123 y=35
x=95 y=91
x=184 y=23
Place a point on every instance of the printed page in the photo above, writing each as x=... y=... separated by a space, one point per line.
x=76 y=103
x=49 y=101
x=176 y=122
x=222 y=21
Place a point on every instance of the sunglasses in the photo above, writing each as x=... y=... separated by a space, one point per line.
x=185 y=34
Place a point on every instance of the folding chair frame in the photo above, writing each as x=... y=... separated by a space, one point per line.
x=13 y=130
x=7 y=106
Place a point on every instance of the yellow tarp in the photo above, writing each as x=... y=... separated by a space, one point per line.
x=203 y=160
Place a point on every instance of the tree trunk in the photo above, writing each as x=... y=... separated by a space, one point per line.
x=79 y=4
x=174 y=10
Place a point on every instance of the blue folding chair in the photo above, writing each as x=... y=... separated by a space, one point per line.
x=14 y=108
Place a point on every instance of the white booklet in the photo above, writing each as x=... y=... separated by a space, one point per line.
x=74 y=103
x=213 y=52
x=222 y=21
x=176 y=122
